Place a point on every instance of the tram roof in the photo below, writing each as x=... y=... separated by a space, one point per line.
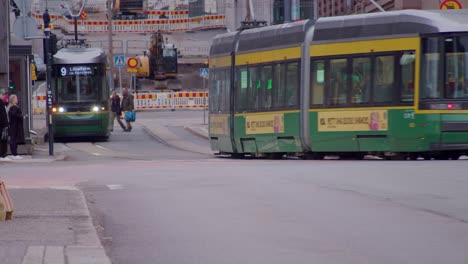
x=283 y=35
x=79 y=56
x=402 y=22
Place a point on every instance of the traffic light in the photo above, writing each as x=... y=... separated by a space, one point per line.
x=53 y=43
x=11 y=87
x=52 y=46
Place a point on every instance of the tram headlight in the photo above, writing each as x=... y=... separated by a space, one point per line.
x=61 y=109
x=95 y=109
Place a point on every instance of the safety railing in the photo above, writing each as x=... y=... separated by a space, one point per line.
x=147 y=101
x=165 y=21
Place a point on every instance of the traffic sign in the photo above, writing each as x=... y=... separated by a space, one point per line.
x=204 y=72
x=83 y=15
x=119 y=61
x=132 y=62
x=33 y=72
x=450 y=4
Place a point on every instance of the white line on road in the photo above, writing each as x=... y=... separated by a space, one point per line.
x=114 y=187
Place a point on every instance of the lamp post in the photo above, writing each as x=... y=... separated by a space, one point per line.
x=49 y=100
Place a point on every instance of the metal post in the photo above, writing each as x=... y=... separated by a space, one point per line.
x=76 y=28
x=315 y=7
x=287 y=11
x=49 y=100
x=377 y=5
x=109 y=30
x=120 y=79
x=204 y=101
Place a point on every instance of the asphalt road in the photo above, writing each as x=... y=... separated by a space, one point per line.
x=152 y=203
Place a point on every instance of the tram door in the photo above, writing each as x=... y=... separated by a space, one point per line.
x=20 y=83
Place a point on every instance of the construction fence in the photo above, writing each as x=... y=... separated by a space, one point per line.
x=176 y=21
x=147 y=101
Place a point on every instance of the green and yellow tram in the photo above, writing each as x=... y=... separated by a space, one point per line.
x=80 y=92
x=392 y=84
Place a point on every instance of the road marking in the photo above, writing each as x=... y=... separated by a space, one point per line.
x=57 y=187
x=34 y=255
x=114 y=187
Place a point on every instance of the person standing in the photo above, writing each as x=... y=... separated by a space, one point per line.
x=46 y=18
x=127 y=106
x=3 y=126
x=116 y=111
x=16 y=126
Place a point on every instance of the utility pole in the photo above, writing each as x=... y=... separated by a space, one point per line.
x=4 y=55
x=109 y=30
x=377 y=5
x=287 y=11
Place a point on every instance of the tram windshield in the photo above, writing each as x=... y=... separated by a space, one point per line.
x=444 y=68
x=80 y=84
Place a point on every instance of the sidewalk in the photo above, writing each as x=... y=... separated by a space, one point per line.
x=54 y=226
x=50 y=226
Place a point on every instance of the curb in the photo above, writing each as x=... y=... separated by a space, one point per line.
x=198 y=131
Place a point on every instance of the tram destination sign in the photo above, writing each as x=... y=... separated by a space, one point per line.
x=74 y=70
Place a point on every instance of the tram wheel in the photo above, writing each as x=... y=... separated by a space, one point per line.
x=275 y=155
x=426 y=157
x=237 y=155
x=312 y=156
x=413 y=156
x=396 y=156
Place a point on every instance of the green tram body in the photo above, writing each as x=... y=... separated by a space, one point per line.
x=80 y=94
x=285 y=89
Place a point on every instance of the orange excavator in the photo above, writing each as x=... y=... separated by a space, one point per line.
x=160 y=65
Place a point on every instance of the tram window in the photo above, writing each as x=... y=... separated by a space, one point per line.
x=456 y=61
x=430 y=79
x=318 y=82
x=242 y=92
x=253 y=89
x=88 y=88
x=216 y=90
x=226 y=91
x=265 y=87
x=212 y=88
x=337 y=92
x=360 y=80
x=292 y=84
x=384 y=79
x=407 y=76
x=69 y=90
x=279 y=77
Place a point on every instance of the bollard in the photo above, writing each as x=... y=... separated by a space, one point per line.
x=6 y=207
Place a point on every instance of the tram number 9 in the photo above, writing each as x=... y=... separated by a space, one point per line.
x=63 y=71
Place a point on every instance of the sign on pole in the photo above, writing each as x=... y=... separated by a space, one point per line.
x=119 y=61
x=204 y=73
x=450 y=4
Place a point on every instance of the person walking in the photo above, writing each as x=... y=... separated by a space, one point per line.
x=116 y=111
x=16 y=126
x=127 y=106
x=3 y=126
